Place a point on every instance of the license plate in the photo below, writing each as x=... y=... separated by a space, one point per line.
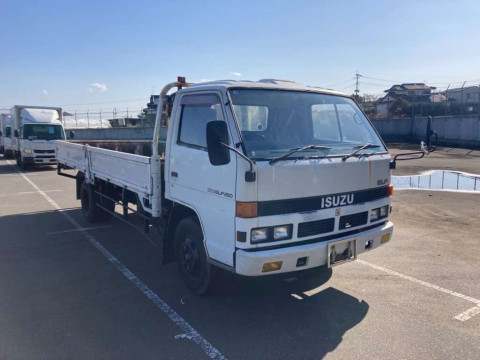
x=342 y=251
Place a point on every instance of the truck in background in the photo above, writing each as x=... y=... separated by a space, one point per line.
x=256 y=178
x=6 y=136
x=34 y=128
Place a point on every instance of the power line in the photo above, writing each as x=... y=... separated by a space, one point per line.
x=339 y=83
x=105 y=102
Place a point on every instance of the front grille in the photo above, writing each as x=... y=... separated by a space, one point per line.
x=316 y=227
x=45 y=157
x=350 y=221
x=288 y=206
x=44 y=151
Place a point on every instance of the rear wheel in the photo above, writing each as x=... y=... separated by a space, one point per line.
x=89 y=201
x=190 y=256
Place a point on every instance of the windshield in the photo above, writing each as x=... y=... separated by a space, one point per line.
x=273 y=122
x=42 y=132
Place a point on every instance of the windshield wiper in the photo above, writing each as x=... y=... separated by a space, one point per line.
x=298 y=149
x=360 y=148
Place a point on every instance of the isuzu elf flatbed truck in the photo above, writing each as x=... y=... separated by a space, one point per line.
x=256 y=178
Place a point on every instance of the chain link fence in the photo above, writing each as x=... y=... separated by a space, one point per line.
x=108 y=118
x=450 y=102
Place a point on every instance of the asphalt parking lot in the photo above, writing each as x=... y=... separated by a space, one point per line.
x=72 y=290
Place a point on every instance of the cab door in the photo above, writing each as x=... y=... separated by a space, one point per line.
x=191 y=179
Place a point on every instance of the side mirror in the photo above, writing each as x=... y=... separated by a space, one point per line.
x=71 y=134
x=16 y=134
x=1 y=134
x=217 y=138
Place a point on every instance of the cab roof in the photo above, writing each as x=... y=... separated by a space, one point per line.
x=260 y=84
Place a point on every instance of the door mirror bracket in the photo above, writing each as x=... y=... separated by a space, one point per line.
x=425 y=147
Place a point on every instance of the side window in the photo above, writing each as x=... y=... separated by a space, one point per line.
x=8 y=131
x=197 y=111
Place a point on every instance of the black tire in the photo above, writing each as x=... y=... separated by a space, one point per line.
x=190 y=256
x=89 y=200
x=23 y=165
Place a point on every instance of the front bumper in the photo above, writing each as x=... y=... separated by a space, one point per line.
x=250 y=263
x=39 y=161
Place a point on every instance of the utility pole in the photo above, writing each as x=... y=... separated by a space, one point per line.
x=357 y=75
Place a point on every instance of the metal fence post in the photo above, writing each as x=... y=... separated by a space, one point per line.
x=446 y=99
x=478 y=103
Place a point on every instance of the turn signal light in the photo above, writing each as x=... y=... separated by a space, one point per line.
x=390 y=190
x=385 y=238
x=247 y=209
x=273 y=266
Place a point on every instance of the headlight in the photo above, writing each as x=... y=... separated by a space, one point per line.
x=379 y=213
x=259 y=235
x=383 y=211
x=282 y=232
x=272 y=233
x=27 y=151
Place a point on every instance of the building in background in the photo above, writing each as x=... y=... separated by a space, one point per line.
x=413 y=92
x=403 y=100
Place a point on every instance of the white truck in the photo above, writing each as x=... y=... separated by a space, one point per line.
x=6 y=136
x=256 y=178
x=34 y=128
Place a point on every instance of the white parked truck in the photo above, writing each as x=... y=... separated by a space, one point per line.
x=6 y=136
x=257 y=178
x=34 y=128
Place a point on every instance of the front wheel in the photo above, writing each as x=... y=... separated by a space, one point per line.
x=191 y=258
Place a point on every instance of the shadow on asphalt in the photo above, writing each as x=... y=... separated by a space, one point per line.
x=243 y=317
x=6 y=168
x=282 y=317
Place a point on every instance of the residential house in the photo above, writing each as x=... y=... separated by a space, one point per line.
x=465 y=95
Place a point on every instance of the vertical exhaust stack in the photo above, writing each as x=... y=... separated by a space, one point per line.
x=162 y=116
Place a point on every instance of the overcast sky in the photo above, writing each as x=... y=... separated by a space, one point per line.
x=104 y=54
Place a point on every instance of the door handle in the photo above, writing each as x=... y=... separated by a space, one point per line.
x=174 y=174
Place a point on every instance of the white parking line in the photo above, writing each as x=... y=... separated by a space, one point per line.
x=81 y=229
x=36 y=192
x=207 y=348
x=468 y=314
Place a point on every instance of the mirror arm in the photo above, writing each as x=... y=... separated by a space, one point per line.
x=249 y=175
x=406 y=156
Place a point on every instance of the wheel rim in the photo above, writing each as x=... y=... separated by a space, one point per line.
x=190 y=259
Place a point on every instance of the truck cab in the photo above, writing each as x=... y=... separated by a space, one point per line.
x=6 y=136
x=35 y=128
x=321 y=175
